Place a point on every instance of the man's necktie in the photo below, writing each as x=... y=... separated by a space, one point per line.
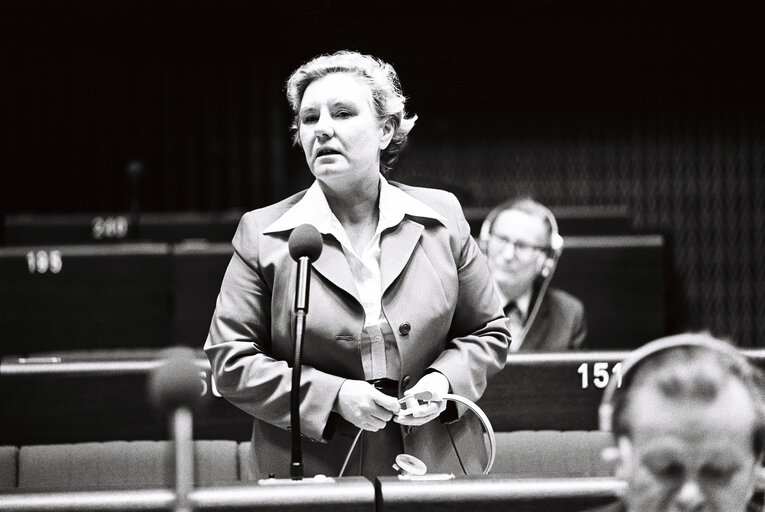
x=516 y=325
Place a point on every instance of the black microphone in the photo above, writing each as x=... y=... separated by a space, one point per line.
x=305 y=245
x=135 y=170
x=176 y=388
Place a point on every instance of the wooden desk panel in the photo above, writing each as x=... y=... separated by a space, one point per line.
x=620 y=280
x=197 y=273
x=67 y=399
x=109 y=227
x=84 y=296
x=556 y=391
x=150 y=295
x=545 y=391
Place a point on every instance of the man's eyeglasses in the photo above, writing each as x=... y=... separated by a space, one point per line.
x=522 y=250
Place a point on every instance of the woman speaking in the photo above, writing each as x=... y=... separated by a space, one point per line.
x=401 y=299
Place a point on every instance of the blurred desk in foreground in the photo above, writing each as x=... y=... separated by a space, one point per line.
x=494 y=493
x=348 y=494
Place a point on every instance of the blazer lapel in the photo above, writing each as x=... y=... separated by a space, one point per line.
x=396 y=248
x=334 y=267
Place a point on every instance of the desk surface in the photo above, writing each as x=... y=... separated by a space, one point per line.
x=495 y=493
x=348 y=494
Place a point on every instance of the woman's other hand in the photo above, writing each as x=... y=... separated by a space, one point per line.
x=435 y=383
x=364 y=406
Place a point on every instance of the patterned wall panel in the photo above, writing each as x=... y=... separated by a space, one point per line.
x=697 y=177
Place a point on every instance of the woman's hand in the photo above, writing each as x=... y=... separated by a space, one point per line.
x=435 y=383
x=364 y=406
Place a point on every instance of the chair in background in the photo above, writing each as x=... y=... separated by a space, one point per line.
x=121 y=464
x=8 y=466
x=551 y=454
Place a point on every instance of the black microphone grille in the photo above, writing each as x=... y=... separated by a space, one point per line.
x=176 y=382
x=305 y=240
x=135 y=168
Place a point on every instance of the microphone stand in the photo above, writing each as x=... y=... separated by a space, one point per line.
x=175 y=390
x=305 y=244
x=135 y=170
x=182 y=422
x=301 y=309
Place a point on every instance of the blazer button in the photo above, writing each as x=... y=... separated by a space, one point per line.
x=405 y=382
x=409 y=430
x=404 y=328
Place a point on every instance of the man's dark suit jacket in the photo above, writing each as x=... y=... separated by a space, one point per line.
x=619 y=507
x=613 y=507
x=560 y=325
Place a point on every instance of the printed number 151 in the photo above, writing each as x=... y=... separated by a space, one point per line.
x=600 y=374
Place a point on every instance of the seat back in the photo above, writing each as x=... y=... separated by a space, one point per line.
x=8 y=466
x=551 y=454
x=243 y=449
x=122 y=464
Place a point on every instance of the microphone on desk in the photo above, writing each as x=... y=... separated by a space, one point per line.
x=135 y=169
x=175 y=388
x=305 y=245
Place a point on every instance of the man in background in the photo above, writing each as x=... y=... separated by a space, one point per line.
x=521 y=241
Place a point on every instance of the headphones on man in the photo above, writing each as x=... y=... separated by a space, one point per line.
x=616 y=387
x=556 y=241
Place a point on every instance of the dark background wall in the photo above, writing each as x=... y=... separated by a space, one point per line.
x=656 y=107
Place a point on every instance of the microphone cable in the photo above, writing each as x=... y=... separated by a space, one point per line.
x=455 y=398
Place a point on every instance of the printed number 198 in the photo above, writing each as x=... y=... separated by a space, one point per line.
x=600 y=374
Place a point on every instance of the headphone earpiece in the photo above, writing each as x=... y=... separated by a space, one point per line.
x=485 y=233
x=556 y=241
x=556 y=248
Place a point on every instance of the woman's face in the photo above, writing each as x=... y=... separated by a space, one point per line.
x=340 y=132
